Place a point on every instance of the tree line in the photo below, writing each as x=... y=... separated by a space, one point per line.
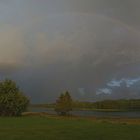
x=122 y=104
x=13 y=102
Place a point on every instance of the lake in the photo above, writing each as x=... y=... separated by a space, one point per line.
x=91 y=113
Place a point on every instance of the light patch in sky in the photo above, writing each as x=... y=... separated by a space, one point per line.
x=104 y=91
x=12 y=50
x=82 y=91
x=114 y=83
x=129 y=82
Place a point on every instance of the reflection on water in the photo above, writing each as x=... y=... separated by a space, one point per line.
x=90 y=113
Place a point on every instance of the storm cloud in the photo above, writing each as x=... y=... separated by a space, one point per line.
x=76 y=45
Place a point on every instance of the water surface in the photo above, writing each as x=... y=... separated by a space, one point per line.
x=92 y=113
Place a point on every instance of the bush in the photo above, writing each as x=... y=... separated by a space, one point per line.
x=12 y=101
x=64 y=104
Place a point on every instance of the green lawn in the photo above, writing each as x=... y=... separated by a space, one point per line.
x=44 y=128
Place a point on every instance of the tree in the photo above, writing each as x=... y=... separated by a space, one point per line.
x=64 y=104
x=12 y=101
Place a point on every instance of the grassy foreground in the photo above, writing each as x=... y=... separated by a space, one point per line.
x=55 y=128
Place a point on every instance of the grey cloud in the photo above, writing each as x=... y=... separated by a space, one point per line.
x=55 y=45
x=72 y=60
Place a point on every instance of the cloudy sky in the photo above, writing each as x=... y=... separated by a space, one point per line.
x=89 y=47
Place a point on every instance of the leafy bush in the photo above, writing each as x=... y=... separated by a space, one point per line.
x=12 y=101
x=64 y=104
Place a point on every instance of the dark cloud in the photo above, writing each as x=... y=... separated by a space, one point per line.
x=77 y=45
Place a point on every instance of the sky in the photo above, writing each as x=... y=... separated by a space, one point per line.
x=88 y=47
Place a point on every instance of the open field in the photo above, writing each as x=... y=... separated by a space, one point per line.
x=68 y=128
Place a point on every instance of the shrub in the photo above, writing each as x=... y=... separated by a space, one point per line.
x=12 y=101
x=64 y=104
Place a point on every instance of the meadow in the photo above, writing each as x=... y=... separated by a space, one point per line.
x=68 y=128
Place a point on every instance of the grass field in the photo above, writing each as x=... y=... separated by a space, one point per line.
x=55 y=128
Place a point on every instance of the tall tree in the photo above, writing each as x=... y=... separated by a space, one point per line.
x=12 y=101
x=64 y=104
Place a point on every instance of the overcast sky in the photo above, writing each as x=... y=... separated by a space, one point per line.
x=89 y=47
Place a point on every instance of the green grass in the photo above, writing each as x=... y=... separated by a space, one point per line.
x=49 y=128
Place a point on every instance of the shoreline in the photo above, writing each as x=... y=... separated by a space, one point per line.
x=125 y=120
x=89 y=109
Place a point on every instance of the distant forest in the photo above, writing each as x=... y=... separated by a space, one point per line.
x=122 y=104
